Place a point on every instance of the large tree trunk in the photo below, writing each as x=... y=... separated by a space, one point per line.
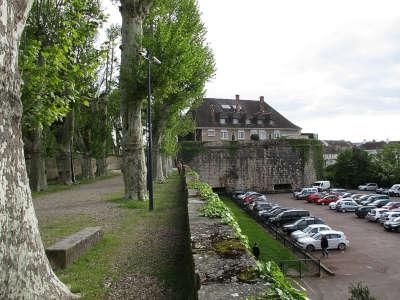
x=158 y=170
x=25 y=272
x=87 y=166
x=37 y=174
x=101 y=167
x=64 y=156
x=133 y=162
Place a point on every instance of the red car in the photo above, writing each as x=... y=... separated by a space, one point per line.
x=392 y=205
x=327 y=199
x=314 y=197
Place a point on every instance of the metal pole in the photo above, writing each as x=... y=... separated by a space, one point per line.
x=150 y=140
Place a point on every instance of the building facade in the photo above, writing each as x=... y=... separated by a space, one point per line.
x=238 y=120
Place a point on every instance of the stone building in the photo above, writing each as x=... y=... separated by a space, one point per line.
x=236 y=119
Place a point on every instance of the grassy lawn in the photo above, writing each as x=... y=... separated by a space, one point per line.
x=54 y=186
x=270 y=248
x=151 y=249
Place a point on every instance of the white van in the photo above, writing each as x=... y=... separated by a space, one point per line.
x=322 y=185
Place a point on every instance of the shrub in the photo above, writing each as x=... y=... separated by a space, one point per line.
x=359 y=291
x=255 y=137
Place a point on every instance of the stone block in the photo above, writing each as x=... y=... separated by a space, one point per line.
x=66 y=251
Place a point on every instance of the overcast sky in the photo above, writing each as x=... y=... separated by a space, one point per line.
x=331 y=67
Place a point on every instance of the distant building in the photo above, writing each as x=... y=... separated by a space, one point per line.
x=332 y=150
x=372 y=147
x=236 y=119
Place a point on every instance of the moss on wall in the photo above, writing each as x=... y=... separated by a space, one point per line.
x=190 y=149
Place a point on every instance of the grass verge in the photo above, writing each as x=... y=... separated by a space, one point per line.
x=139 y=244
x=270 y=249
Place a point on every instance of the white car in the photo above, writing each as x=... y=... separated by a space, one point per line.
x=368 y=187
x=309 y=231
x=332 y=205
x=336 y=240
x=389 y=216
x=375 y=214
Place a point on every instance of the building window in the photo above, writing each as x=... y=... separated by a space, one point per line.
x=253 y=131
x=241 y=135
x=263 y=135
x=210 y=132
x=235 y=121
x=224 y=134
x=248 y=121
x=259 y=122
x=277 y=134
x=222 y=121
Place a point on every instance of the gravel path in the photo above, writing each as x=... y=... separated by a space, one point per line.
x=88 y=199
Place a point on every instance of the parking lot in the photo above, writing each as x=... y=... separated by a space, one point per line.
x=373 y=256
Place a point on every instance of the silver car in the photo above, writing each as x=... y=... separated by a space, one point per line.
x=309 y=231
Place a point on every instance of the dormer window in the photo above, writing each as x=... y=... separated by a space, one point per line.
x=259 y=122
x=222 y=121
x=248 y=121
x=235 y=121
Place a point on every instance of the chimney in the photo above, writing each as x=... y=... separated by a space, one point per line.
x=262 y=107
x=237 y=103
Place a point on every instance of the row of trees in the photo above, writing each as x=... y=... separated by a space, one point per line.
x=356 y=166
x=73 y=101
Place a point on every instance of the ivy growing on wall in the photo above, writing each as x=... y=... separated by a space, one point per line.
x=307 y=147
x=190 y=149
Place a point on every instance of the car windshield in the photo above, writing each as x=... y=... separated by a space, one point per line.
x=308 y=229
x=396 y=219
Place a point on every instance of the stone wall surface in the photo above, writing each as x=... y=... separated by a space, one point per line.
x=260 y=166
x=218 y=275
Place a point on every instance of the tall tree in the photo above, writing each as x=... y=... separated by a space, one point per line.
x=175 y=34
x=133 y=94
x=25 y=270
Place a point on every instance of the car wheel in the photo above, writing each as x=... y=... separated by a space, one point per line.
x=310 y=248
x=342 y=246
x=343 y=210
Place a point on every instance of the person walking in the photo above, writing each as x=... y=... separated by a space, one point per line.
x=324 y=245
x=256 y=250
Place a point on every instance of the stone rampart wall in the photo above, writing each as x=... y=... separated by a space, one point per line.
x=260 y=166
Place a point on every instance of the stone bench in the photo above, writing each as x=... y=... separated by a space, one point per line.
x=65 y=252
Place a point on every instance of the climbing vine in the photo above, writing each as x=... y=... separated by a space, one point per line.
x=188 y=150
x=305 y=147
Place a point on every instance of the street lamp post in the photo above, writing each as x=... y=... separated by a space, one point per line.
x=150 y=59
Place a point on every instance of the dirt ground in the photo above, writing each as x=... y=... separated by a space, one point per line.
x=373 y=256
x=151 y=261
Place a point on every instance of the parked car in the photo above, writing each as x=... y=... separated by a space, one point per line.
x=336 y=240
x=375 y=214
x=302 y=223
x=384 y=191
x=338 y=191
x=362 y=198
x=393 y=225
x=392 y=205
x=332 y=205
x=346 y=195
x=368 y=187
x=309 y=231
x=388 y=216
x=373 y=198
x=380 y=202
x=289 y=216
x=257 y=206
x=304 y=193
x=236 y=194
x=327 y=199
x=362 y=211
x=346 y=205
x=356 y=197
x=394 y=190
x=266 y=215
x=322 y=185
x=314 y=197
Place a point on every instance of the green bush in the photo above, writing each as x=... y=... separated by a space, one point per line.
x=254 y=137
x=359 y=291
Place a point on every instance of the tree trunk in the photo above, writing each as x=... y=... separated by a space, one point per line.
x=87 y=167
x=25 y=271
x=37 y=174
x=101 y=167
x=165 y=164
x=133 y=158
x=158 y=170
x=64 y=157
